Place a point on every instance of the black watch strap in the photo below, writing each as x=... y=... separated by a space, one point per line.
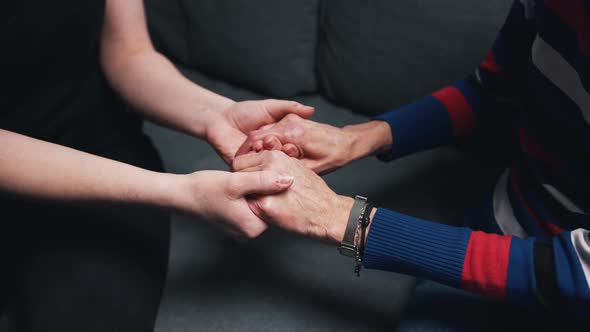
x=348 y=245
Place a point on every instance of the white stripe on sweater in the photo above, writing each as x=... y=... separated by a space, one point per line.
x=562 y=74
x=581 y=244
x=563 y=199
x=503 y=212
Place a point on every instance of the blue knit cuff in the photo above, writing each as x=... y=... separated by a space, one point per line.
x=413 y=246
x=426 y=123
x=418 y=126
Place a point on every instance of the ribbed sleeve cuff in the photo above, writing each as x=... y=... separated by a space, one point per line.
x=432 y=121
x=417 y=126
x=413 y=246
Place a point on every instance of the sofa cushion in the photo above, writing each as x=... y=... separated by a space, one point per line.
x=267 y=45
x=374 y=55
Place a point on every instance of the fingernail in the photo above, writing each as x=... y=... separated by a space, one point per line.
x=286 y=179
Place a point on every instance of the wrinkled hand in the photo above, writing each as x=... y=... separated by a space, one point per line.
x=308 y=208
x=219 y=198
x=227 y=130
x=321 y=147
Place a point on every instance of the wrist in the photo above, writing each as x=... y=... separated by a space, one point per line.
x=369 y=138
x=342 y=206
x=157 y=189
x=208 y=113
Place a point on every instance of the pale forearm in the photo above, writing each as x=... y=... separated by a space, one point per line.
x=42 y=170
x=154 y=87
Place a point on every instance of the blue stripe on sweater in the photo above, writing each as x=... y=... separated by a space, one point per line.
x=418 y=126
x=521 y=281
x=425 y=249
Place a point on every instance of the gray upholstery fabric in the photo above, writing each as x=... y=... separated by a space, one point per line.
x=377 y=54
x=267 y=45
x=282 y=282
x=168 y=26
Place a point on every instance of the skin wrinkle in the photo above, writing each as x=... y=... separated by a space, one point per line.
x=309 y=207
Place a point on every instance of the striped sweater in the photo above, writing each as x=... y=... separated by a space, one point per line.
x=541 y=250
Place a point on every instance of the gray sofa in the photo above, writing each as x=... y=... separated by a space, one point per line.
x=350 y=59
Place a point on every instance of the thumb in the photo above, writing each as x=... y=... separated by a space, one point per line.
x=279 y=108
x=262 y=182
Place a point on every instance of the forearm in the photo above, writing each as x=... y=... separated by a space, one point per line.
x=154 y=87
x=503 y=267
x=446 y=116
x=442 y=118
x=42 y=170
x=369 y=138
x=456 y=256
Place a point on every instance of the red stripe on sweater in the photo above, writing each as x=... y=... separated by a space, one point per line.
x=485 y=269
x=574 y=15
x=549 y=229
x=489 y=63
x=460 y=111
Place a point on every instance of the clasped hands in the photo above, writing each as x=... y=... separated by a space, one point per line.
x=275 y=153
x=302 y=148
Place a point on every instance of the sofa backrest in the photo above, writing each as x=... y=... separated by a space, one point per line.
x=377 y=54
x=369 y=55
x=268 y=45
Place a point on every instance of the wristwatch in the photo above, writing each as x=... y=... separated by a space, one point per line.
x=349 y=245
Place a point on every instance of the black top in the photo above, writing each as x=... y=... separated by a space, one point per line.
x=53 y=86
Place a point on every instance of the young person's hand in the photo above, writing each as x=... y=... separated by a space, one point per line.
x=220 y=198
x=41 y=170
x=309 y=207
x=321 y=147
x=227 y=130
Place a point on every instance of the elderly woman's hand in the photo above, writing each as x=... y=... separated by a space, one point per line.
x=308 y=208
x=321 y=147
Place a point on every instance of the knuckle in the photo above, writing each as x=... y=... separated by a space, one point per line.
x=232 y=186
x=270 y=102
x=253 y=136
x=266 y=205
x=276 y=155
x=253 y=230
x=291 y=117
x=269 y=139
x=295 y=132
